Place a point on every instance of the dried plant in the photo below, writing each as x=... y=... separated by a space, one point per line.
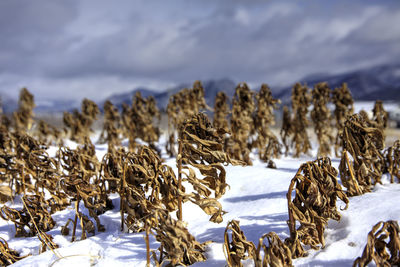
x=110 y=133
x=267 y=143
x=80 y=123
x=241 y=123
x=300 y=102
x=277 y=253
x=286 y=129
x=182 y=105
x=83 y=182
x=380 y=115
x=23 y=117
x=321 y=116
x=364 y=144
x=47 y=134
x=392 y=160
x=35 y=216
x=383 y=246
x=8 y=256
x=237 y=247
x=200 y=146
x=316 y=189
x=221 y=111
x=343 y=101
x=178 y=246
x=143 y=112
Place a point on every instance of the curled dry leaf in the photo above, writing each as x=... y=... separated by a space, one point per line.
x=364 y=143
x=383 y=246
x=316 y=188
x=8 y=256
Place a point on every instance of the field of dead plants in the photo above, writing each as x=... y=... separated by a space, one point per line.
x=214 y=190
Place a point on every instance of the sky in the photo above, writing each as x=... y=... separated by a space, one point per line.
x=95 y=48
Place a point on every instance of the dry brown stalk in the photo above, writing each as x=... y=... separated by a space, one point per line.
x=47 y=134
x=364 y=143
x=392 y=160
x=321 y=116
x=79 y=123
x=23 y=117
x=201 y=147
x=111 y=126
x=35 y=215
x=237 y=247
x=267 y=143
x=142 y=114
x=8 y=256
x=381 y=116
x=221 y=111
x=181 y=106
x=343 y=101
x=301 y=99
x=241 y=123
x=287 y=129
x=316 y=189
x=276 y=254
x=178 y=246
x=383 y=246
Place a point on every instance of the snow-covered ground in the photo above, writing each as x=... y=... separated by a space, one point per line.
x=257 y=198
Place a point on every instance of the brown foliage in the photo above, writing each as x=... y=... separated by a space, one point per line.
x=8 y=256
x=316 y=189
x=343 y=101
x=181 y=106
x=301 y=99
x=241 y=123
x=201 y=147
x=364 y=143
x=383 y=246
x=79 y=123
x=267 y=143
x=392 y=160
x=23 y=117
x=321 y=116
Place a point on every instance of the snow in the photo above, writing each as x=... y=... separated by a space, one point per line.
x=257 y=198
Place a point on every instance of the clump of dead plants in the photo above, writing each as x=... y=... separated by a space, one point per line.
x=237 y=248
x=267 y=143
x=8 y=256
x=142 y=114
x=221 y=111
x=23 y=117
x=316 y=189
x=301 y=99
x=383 y=246
x=241 y=123
x=321 y=116
x=182 y=105
x=112 y=125
x=380 y=115
x=201 y=147
x=286 y=129
x=392 y=160
x=78 y=124
x=362 y=162
x=343 y=101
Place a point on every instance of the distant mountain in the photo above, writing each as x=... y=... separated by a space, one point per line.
x=56 y=106
x=380 y=82
x=211 y=87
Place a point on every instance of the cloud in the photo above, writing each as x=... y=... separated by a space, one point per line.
x=94 y=48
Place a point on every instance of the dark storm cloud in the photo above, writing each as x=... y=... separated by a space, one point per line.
x=95 y=48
